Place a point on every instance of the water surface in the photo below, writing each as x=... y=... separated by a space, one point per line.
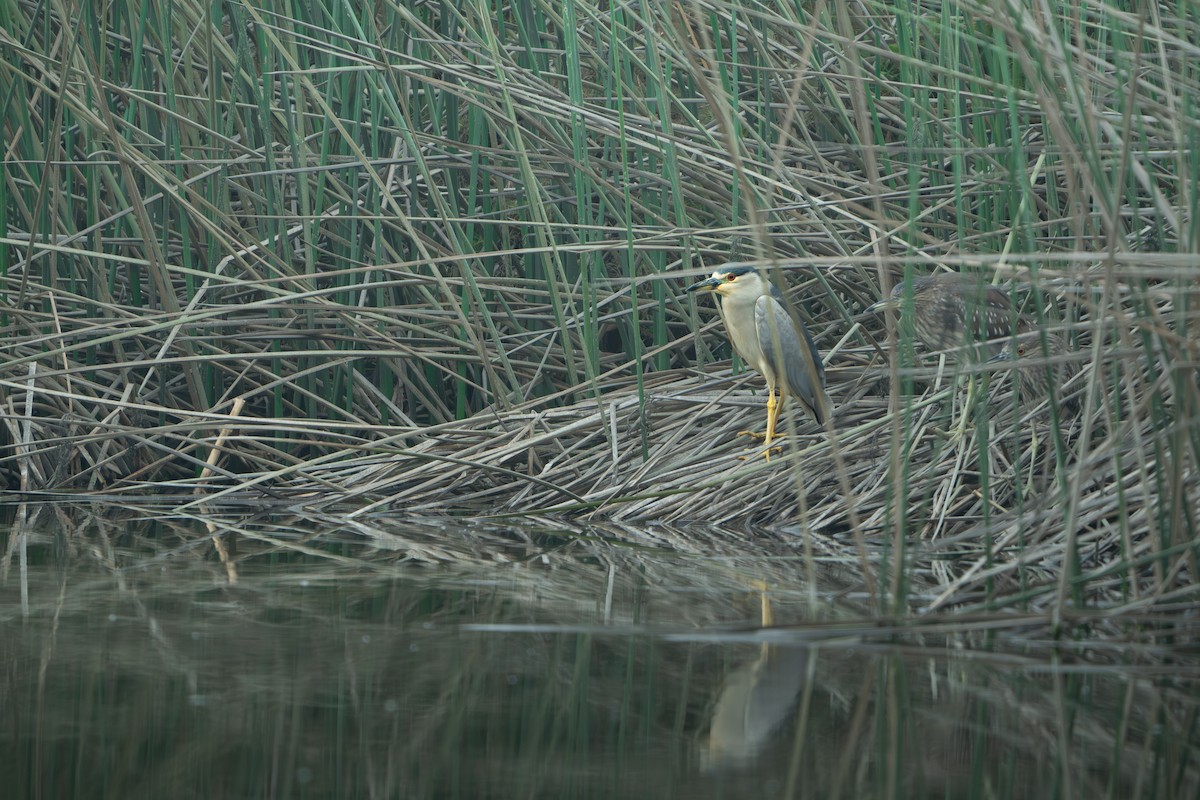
x=455 y=659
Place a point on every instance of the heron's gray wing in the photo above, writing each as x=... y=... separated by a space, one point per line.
x=796 y=352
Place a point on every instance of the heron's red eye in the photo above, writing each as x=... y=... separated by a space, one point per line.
x=1020 y=350
x=730 y=277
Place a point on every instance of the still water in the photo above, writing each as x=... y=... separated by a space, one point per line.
x=234 y=655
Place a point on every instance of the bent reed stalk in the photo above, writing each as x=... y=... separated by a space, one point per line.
x=432 y=261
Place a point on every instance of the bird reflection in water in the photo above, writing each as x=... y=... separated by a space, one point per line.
x=754 y=701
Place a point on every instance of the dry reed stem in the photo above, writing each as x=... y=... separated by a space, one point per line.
x=407 y=338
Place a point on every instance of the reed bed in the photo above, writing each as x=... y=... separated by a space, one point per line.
x=430 y=258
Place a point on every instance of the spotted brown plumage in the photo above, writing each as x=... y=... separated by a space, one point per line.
x=1041 y=360
x=952 y=310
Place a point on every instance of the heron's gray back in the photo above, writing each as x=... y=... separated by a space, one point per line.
x=797 y=352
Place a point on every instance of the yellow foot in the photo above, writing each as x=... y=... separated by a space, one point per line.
x=954 y=434
x=777 y=450
x=960 y=430
x=765 y=453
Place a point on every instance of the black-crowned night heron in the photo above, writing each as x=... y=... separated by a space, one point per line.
x=1040 y=360
x=951 y=310
x=770 y=339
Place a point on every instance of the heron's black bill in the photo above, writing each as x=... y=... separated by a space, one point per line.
x=707 y=283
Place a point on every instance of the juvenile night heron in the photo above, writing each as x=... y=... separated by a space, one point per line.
x=770 y=339
x=951 y=310
x=1041 y=361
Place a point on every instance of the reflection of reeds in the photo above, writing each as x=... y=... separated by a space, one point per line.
x=439 y=262
x=352 y=671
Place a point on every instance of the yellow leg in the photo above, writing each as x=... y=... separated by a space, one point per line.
x=768 y=619
x=968 y=409
x=774 y=405
x=1033 y=456
x=772 y=415
x=765 y=615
